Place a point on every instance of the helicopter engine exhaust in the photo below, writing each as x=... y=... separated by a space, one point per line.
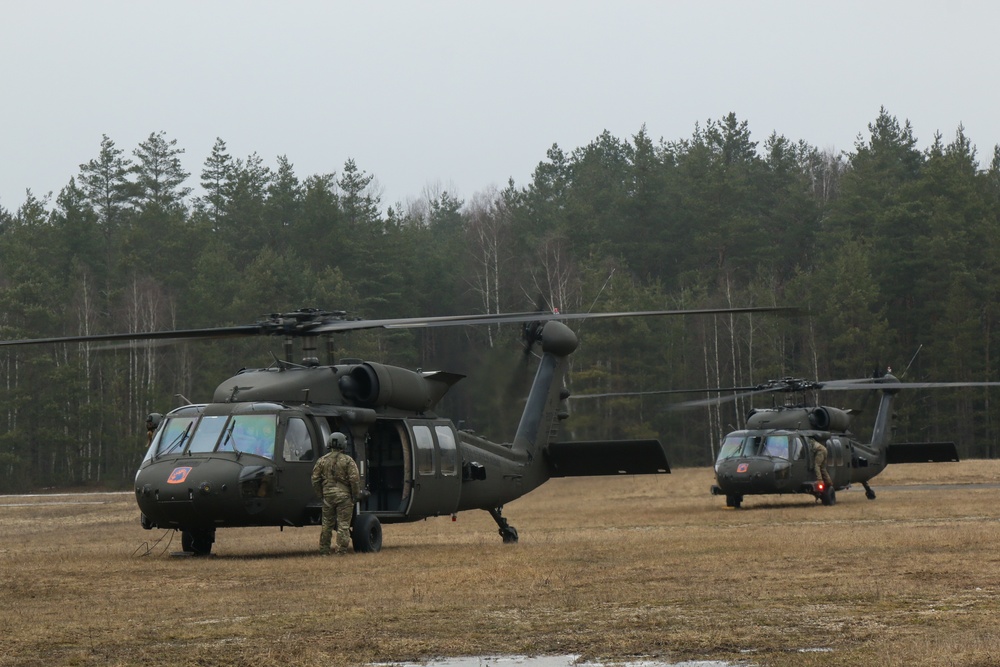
x=375 y=385
x=829 y=419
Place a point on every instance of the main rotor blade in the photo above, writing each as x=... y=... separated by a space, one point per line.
x=502 y=318
x=311 y=322
x=857 y=384
x=870 y=384
x=656 y=392
x=220 y=332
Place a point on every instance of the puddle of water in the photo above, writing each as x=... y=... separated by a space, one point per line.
x=553 y=661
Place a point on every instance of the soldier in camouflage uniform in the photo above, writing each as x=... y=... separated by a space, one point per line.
x=335 y=478
x=819 y=463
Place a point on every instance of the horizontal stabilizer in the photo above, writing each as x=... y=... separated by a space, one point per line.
x=922 y=452
x=607 y=457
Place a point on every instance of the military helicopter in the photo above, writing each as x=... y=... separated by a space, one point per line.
x=245 y=458
x=774 y=453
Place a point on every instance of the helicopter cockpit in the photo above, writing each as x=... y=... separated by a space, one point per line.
x=744 y=444
x=228 y=460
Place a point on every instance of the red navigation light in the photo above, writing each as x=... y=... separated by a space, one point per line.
x=820 y=486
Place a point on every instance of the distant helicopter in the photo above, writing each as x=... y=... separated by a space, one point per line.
x=774 y=453
x=245 y=458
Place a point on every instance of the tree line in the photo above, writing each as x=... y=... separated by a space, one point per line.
x=889 y=249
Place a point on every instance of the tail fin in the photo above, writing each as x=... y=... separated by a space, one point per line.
x=882 y=431
x=541 y=415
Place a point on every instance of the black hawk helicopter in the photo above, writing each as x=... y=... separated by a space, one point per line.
x=245 y=458
x=775 y=452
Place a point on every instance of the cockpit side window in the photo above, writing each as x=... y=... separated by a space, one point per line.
x=798 y=451
x=298 y=446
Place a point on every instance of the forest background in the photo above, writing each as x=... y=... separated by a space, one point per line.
x=890 y=249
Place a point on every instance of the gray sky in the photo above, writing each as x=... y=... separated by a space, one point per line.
x=462 y=95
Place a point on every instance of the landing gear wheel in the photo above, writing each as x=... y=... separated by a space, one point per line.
x=366 y=533
x=507 y=531
x=829 y=496
x=734 y=501
x=197 y=541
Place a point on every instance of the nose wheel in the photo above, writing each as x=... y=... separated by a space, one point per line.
x=197 y=541
x=507 y=531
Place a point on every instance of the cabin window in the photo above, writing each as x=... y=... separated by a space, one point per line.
x=250 y=434
x=298 y=445
x=207 y=434
x=449 y=451
x=425 y=450
x=835 y=454
x=776 y=446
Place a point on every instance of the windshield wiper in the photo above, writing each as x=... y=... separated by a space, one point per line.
x=229 y=436
x=179 y=440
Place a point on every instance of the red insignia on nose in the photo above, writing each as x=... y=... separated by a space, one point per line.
x=178 y=475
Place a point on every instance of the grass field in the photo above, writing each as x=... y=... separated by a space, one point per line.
x=612 y=569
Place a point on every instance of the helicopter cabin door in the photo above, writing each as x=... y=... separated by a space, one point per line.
x=437 y=479
x=413 y=468
x=298 y=456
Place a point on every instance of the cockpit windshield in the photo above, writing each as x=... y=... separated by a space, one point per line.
x=776 y=446
x=743 y=444
x=731 y=447
x=242 y=434
x=172 y=437
x=250 y=434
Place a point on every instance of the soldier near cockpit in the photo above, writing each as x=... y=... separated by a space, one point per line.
x=153 y=420
x=819 y=463
x=335 y=478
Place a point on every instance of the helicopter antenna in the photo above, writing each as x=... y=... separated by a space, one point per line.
x=912 y=359
x=601 y=291
x=184 y=398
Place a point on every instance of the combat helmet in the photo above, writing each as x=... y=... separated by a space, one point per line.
x=337 y=442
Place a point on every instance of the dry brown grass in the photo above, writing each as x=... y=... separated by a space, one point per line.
x=609 y=568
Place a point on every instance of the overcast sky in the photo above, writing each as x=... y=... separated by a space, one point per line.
x=463 y=95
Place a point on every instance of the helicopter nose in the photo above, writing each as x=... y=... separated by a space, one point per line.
x=745 y=476
x=171 y=494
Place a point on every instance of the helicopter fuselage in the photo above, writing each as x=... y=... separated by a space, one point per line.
x=779 y=461
x=246 y=458
x=776 y=452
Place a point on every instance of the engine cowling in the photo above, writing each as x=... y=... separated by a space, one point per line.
x=372 y=384
x=829 y=419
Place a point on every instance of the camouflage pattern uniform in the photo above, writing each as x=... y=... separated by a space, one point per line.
x=336 y=479
x=819 y=463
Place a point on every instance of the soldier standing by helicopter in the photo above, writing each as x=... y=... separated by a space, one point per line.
x=336 y=479
x=819 y=463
